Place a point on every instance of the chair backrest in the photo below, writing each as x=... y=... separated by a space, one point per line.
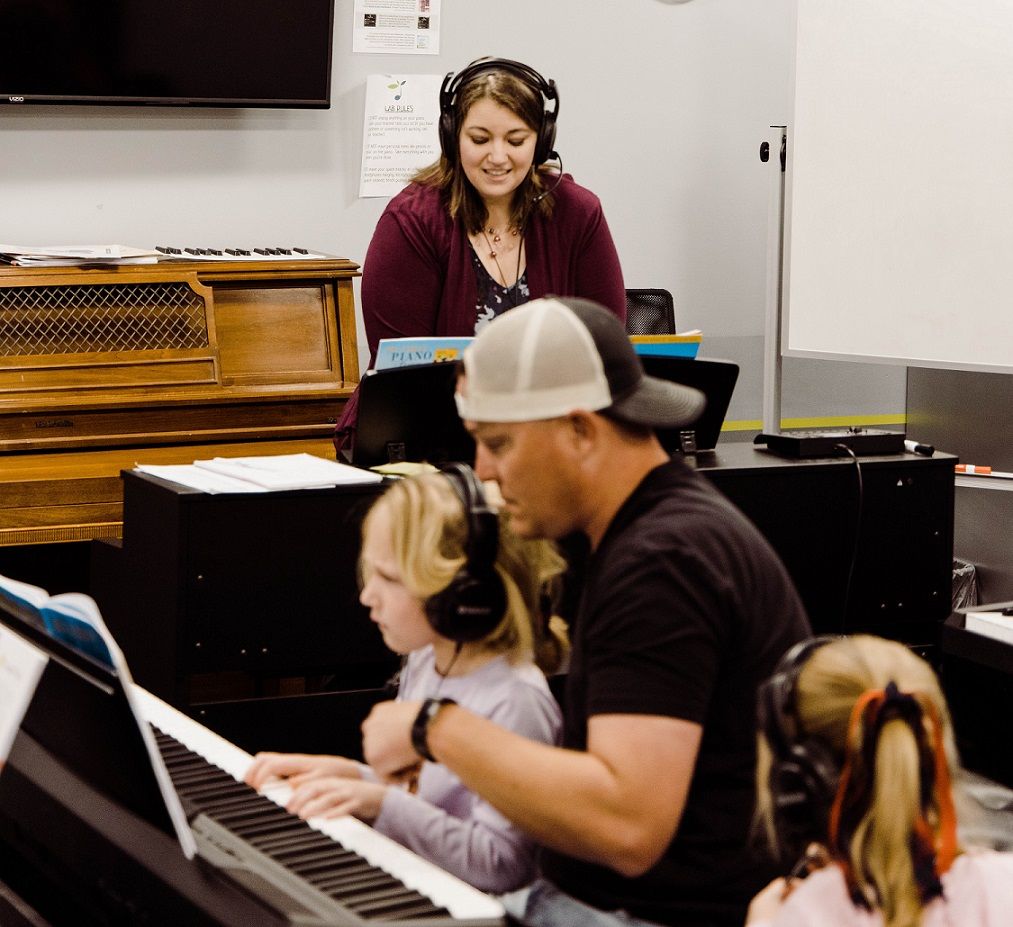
x=650 y=312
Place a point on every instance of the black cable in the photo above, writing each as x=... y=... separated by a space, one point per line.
x=524 y=225
x=858 y=533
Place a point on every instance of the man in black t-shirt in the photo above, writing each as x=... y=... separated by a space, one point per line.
x=685 y=609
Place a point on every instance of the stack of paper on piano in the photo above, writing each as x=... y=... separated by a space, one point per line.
x=262 y=474
x=60 y=255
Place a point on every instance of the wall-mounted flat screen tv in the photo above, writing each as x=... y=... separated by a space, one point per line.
x=274 y=53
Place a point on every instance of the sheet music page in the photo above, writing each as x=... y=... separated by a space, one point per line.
x=83 y=608
x=289 y=471
x=21 y=666
x=198 y=478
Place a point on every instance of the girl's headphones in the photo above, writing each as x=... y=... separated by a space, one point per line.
x=803 y=772
x=474 y=603
x=452 y=84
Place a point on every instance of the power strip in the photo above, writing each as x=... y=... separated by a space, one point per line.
x=862 y=441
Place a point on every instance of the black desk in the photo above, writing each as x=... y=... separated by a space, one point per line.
x=977 y=676
x=242 y=609
x=808 y=510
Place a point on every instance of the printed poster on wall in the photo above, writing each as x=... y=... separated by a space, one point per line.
x=397 y=27
x=21 y=666
x=399 y=130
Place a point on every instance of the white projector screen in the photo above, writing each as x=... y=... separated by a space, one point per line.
x=899 y=185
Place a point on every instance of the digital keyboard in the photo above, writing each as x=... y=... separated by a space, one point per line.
x=325 y=871
x=261 y=253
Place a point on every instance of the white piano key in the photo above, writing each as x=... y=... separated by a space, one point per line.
x=463 y=901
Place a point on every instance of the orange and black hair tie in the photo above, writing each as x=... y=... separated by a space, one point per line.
x=932 y=852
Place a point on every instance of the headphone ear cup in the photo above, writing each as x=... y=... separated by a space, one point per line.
x=469 y=609
x=448 y=136
x=547 y=133
x=802 y=786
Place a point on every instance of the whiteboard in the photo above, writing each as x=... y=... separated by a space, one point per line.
x=899 y=185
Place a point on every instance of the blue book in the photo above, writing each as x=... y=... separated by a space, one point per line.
x=407 y=352
x=71 y=617
x=686 y=344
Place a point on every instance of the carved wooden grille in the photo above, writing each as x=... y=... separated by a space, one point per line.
x=101 y=317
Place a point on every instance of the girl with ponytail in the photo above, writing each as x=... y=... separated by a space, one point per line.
x=855 y=779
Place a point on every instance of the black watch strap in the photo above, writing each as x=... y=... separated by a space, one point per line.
x=420 y=728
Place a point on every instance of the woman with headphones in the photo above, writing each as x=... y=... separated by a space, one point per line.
x=463 y=601
x=489 y=225
x=856 y=776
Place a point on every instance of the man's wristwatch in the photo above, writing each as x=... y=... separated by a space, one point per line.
x=420 y=727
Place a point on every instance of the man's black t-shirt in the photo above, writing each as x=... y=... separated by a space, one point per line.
x=685 y=611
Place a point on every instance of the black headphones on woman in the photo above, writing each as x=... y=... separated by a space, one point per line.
x=804 y=772
x=474 y=602
x=452 y=84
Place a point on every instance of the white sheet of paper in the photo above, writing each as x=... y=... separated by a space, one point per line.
x=198 y=478
x=399 y=130
x=396 y=27
x=289 y=471
x=21 y=666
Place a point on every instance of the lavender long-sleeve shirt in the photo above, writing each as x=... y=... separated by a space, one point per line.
x=444 y=821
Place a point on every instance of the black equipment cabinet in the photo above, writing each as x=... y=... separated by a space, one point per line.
x=242 y=609
x=899 y=539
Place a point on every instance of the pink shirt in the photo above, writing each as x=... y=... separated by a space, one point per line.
x=977 y=892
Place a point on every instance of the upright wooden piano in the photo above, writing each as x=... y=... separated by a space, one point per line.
x=103 y=367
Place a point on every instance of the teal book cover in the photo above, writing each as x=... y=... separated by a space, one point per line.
x=404 y=352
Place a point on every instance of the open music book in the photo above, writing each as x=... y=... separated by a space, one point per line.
x=74 y=619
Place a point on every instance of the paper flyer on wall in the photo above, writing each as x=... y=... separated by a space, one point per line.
x=396 y=27
x=399 y=130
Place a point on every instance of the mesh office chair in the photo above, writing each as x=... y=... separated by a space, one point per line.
x=650 y=312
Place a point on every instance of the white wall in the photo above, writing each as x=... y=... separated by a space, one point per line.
x=663 y=107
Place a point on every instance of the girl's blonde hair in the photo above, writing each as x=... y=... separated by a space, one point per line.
x=894 y=822
x=429 y=532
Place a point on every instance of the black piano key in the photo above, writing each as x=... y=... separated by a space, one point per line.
x=254 y=816
x=324 y=866
x=261 y=250
x=221 y=806
x=184 y=770
x=339 y=886
x=294 y=841
x=315 y=869
x=266 y=827
x=300 y=250
x=384 y=902
x=425 y=908
x=216 y=785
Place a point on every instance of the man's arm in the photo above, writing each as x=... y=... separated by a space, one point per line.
x=618 y=804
